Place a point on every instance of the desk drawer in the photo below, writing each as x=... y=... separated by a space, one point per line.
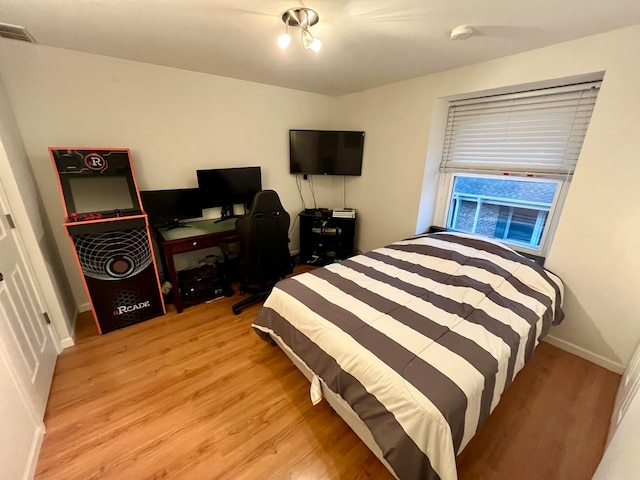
x=197 y=243
x=190 y=244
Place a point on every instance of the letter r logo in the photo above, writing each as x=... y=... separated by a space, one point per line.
x=94 y=161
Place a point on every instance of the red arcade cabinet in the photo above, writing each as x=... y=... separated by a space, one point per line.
x=110 y=235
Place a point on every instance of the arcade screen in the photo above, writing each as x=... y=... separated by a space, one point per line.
x=102 y=193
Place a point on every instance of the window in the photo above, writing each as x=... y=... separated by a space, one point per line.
x=508 y=159
x=513 y=210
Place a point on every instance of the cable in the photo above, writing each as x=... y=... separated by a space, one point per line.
x=313 y=193
x=293 y=225
x=299 y=185
x=344 y=191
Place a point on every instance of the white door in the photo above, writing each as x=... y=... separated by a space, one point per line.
x=20 y=432
x=27 y=350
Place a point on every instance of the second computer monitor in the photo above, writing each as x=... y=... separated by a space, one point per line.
x=224 y=187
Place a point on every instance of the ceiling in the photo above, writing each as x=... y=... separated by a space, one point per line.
x=365 y=43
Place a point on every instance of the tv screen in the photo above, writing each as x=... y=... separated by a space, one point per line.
x=222 y=187
x=100 y=193
x=325 y=152
x=166 y=206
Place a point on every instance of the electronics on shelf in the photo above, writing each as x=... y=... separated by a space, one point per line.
x=203 y=283
x=344 y=213
x=325 y=238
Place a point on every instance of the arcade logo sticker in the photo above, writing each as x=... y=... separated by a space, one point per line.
x=122 y=309
x=95 y=162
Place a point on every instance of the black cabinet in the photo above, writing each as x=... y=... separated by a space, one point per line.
x=325 y=239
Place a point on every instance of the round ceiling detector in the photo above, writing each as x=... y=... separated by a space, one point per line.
x=461 y=33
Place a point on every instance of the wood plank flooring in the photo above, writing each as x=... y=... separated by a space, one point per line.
x=198 y=395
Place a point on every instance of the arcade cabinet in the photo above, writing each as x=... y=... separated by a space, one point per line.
x=110 y=235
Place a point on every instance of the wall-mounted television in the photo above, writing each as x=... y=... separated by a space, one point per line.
x=325 y=152
x=224 y=187
x=170 y=206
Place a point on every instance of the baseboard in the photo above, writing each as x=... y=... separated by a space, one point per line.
x=586 y=354
x=34 y=453
x=84 y=307
x=71 y=340
x=67 y=342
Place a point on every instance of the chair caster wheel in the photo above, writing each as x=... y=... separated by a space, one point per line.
x=236 y=311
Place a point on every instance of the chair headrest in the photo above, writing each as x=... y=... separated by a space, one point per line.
x=266 y=202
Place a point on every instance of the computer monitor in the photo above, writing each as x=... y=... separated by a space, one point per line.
x=225 y=187
x=170 y=206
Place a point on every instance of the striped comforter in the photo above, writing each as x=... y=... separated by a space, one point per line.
x=420 y=338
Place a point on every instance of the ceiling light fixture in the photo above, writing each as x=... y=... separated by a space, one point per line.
x=302 y=18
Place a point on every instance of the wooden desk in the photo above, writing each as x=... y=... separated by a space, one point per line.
x=194 y=236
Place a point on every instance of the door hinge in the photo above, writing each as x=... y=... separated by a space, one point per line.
x=10 y=220
x=47 y=320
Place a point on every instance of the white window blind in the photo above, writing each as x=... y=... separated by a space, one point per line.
x=539 y=131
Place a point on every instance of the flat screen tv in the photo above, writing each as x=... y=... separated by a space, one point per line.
x=170 y=206
x=325 y=152
x=224 y=187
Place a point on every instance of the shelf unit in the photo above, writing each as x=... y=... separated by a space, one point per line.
x=325 y=239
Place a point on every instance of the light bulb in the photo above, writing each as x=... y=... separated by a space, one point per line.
x=307 y=38
x=316 y=45
x=284 y=40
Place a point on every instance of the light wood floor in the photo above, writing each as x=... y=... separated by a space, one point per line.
x=199 y=396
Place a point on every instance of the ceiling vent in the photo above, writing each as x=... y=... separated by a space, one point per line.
x=15 y=32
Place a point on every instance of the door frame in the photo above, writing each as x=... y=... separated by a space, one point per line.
x=31 y=276
x=61 y=326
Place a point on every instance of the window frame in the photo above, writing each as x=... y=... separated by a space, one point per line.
x=445 y=196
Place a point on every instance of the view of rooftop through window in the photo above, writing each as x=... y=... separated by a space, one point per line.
x=511 y=210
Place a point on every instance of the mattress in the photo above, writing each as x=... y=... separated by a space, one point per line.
x=419 y=338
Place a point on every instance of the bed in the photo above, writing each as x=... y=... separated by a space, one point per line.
x=414 y=343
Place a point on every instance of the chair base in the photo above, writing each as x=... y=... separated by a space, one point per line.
x=259 y=293
x=256 y=297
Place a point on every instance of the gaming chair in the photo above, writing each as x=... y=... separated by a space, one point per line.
x=264 y=246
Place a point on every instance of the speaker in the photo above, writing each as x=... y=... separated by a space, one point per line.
x=119 y=273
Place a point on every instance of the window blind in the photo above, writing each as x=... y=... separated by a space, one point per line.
x=538 y=132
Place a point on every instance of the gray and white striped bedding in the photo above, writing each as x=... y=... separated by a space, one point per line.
x=420 y=338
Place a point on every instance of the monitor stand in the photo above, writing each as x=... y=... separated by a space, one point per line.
x=226 y=213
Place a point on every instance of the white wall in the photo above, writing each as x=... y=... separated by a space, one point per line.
x=595 y=249
x=16 y=178
x=174 y=122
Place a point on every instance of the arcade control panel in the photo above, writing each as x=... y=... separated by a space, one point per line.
x=89 y=217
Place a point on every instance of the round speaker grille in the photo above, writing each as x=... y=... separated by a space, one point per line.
x=120 y=266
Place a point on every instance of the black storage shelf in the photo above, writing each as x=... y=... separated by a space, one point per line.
x=325 y=239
